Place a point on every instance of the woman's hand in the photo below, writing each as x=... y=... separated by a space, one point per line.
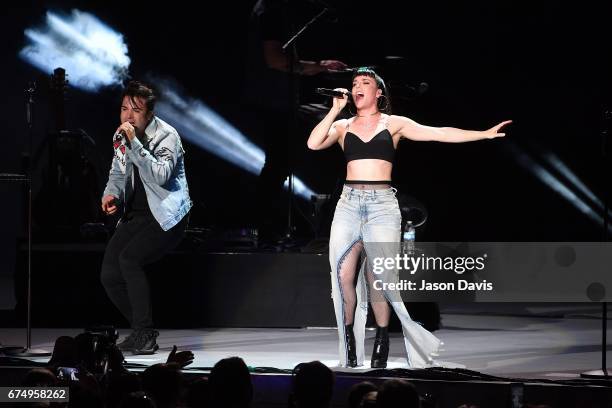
x=340 y=103
x=494 y=131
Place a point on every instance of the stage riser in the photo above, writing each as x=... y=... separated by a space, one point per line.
x=189 y=290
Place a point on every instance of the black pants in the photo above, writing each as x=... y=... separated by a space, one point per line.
x=138 y=241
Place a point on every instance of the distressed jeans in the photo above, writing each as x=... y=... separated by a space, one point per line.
x=370 y=217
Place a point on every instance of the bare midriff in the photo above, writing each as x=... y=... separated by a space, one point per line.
x=373 y=173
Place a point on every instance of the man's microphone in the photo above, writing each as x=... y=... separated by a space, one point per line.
x=332 y=93
x=121 y=135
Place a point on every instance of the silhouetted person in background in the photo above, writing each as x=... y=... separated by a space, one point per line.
x=313 y=385
x=269 y=102
x=359 y=392
x=397 y=393
x=230 y=384
x=137 y=399
x=163 y=383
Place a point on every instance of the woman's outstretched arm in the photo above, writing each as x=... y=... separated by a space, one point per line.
x=412 y=130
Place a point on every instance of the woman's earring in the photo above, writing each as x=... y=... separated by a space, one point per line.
x=381 y=108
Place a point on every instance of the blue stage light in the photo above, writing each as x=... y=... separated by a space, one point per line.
x=91 y=52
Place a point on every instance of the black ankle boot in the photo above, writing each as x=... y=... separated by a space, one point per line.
x=349 y=338
x=381 y=348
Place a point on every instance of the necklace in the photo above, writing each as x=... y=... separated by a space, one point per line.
x=365 y=116
x=368 y=127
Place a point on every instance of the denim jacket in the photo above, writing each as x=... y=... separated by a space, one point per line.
x=160 y=161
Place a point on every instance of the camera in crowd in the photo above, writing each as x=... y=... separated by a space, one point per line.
x=103 y=340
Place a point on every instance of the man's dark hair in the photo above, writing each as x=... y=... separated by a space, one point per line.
x=313 y=385
x=230 y=384
x=397 y=393
x=163 y=382
x=136 y=89
x=358 y=392
x=40 y=377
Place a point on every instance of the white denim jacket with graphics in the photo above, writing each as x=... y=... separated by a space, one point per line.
x=160 y=161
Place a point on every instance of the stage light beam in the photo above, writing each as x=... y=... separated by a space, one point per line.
x=91 y=52
x=549 y=179
x=572 y=178
x=205 y=128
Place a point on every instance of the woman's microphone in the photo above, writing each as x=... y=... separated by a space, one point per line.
x=333 y=93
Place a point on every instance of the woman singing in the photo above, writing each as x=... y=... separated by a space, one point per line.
x=368 y=212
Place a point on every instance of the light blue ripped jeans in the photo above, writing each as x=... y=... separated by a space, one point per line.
x=366 y=217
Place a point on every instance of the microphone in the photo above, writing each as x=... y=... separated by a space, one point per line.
x=332 y=93
x=121 y=135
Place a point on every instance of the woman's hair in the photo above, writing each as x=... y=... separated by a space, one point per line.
x=384 y=102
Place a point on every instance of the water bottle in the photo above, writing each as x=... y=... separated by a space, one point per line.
x=408 y=235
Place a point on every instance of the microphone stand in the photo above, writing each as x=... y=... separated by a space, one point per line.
x=28 y=351
x=603 y=372
x=294 y=103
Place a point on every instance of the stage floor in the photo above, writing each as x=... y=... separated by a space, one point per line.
x=507 y=346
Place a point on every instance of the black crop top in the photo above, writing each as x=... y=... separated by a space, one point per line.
x=379 y=147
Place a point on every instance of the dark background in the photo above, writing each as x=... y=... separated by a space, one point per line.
x=541 y=64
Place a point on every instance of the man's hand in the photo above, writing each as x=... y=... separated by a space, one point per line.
x=332 y=65
x=309 y=68
x=128 y=130
x=109 y=204
x=182 y=358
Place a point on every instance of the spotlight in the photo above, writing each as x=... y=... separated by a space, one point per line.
x=94 y=54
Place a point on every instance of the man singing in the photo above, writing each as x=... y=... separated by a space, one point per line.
x=147 y=179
